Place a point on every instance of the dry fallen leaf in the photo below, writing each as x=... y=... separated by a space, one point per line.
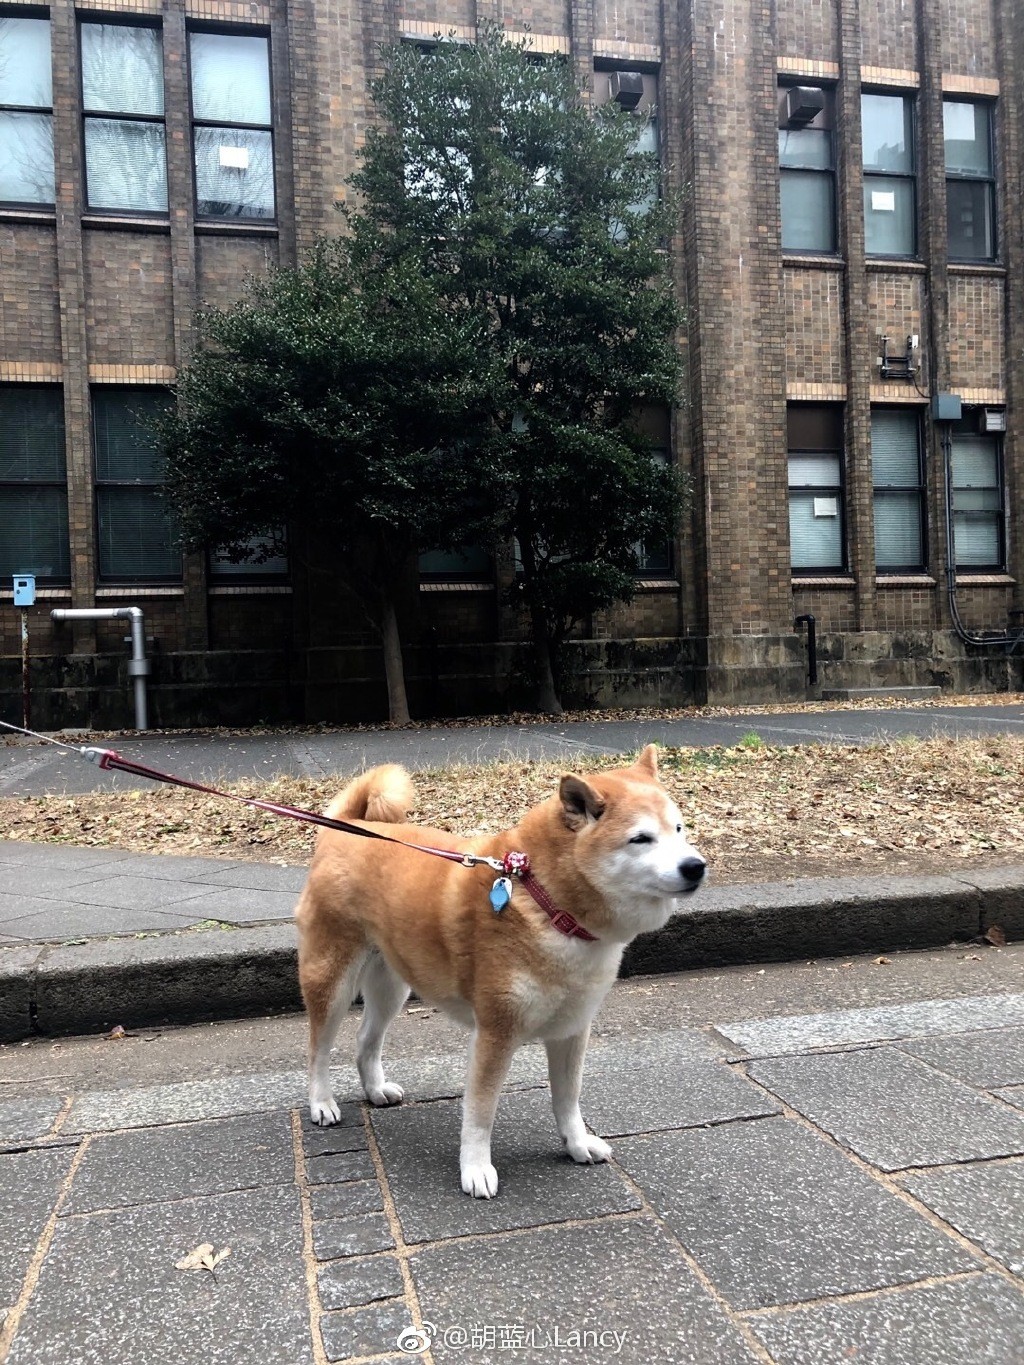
x=203 y=1257
x=996 y=935
x=116 y=1032
x=880 y=961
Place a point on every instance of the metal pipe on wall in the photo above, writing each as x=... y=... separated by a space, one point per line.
x=138 y=664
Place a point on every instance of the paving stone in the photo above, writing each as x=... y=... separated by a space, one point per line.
x=444 y=1075
x=23 y=1120
x=892 y=1109
x=985 y=1203
x=775 y=1215
x=341 y=1201
x=348 y=1284
x=995 y=1057
x=29 y=1185
x=138 y=893
x=172 y=868
x=351 y=1117
x=260 y=877
x=368 y=1331
x=354 y=1236
x=963 y=1323
x=185 y=1101
x=538 y=1182
x=339 y=1166
x=616 y=1278
x=156 y=1164
x=619 y=1096
x=238 y=905
x=800 y=1032
x=1013 y=1094
x=27 y=855
x=61 y=922
x=337 y=1138
x=109 y=1293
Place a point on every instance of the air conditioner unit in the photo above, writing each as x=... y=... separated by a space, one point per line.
x=803 y=104
x=992 y=419
x=626 y=88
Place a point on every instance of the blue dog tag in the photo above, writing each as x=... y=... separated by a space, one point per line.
x=500 y=894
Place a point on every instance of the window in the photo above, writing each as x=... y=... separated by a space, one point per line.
x=970 y=183
x=33 y=483
x=468 y=562
x=232 y=137
x=135 y=535
x=270 y=561
x=26 y=111
x=816 y=533
x=899 y=494
x=890 y=212
x=807 y=189
x=977 y=497
x=123 y=103
x=636 y=91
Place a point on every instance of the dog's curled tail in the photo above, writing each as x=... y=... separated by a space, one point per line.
x=385 y=793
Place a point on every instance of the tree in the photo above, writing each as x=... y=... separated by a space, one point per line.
x=337 y=400
x=534 y=214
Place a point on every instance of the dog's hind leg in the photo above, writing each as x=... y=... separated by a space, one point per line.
x=565 y=1072
x=328 y=987
x=384 y=994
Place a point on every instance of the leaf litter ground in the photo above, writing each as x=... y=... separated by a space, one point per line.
x=758 y=812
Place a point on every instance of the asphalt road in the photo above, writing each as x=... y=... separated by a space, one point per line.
x=28 y=768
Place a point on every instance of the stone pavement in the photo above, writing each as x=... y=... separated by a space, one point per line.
x=789 y=1185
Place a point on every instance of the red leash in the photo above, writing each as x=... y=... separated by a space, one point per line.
x=512 y=865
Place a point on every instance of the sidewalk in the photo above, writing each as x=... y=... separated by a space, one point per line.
x=90 y=938
x=791 y=1185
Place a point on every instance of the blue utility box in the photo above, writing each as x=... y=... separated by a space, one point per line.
x=24 y=590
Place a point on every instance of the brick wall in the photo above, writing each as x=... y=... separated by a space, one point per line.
x=814 y=327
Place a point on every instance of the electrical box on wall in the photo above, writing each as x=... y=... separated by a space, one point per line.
x=24 y=590
x=946 y=407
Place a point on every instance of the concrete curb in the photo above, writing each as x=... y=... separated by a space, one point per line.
x=181 y=977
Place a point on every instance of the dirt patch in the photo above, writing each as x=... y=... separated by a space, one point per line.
x=758 y=812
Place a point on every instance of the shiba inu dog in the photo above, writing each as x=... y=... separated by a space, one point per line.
x=608 y=858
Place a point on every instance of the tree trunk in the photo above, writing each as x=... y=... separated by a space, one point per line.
x=394 y=667
x=547 y=695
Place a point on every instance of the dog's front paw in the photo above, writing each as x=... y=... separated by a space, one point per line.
x=589 y=1149
x=324 y=1112
x=385 y=1094
x=480 y=1179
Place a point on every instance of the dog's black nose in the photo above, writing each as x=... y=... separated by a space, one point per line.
x=692 y=869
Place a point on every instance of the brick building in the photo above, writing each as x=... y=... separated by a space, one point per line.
x=849 y=251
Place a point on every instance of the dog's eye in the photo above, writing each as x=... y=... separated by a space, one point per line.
x=642 y=839
x=679 y=829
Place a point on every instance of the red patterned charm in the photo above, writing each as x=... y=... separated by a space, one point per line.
x=516 y=864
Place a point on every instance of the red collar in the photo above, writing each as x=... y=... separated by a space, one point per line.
x=518 y=865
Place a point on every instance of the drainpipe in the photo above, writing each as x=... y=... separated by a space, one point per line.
x=138 y=664
x=812 y=646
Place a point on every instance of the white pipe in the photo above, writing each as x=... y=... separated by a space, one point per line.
x=138 y=664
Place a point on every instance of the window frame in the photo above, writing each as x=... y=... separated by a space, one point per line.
x=987 y=180
x=40 y=13
x=919 y=490
x=232 y=31
x=909 y=99
x=824 y=490
x=106 y=20
x=830 y=172
x=998 y=514
x=223 y=573
x=54 y=580
x=99 y=484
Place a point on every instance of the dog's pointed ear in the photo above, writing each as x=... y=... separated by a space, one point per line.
x=580 y=802
x=647 y=763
